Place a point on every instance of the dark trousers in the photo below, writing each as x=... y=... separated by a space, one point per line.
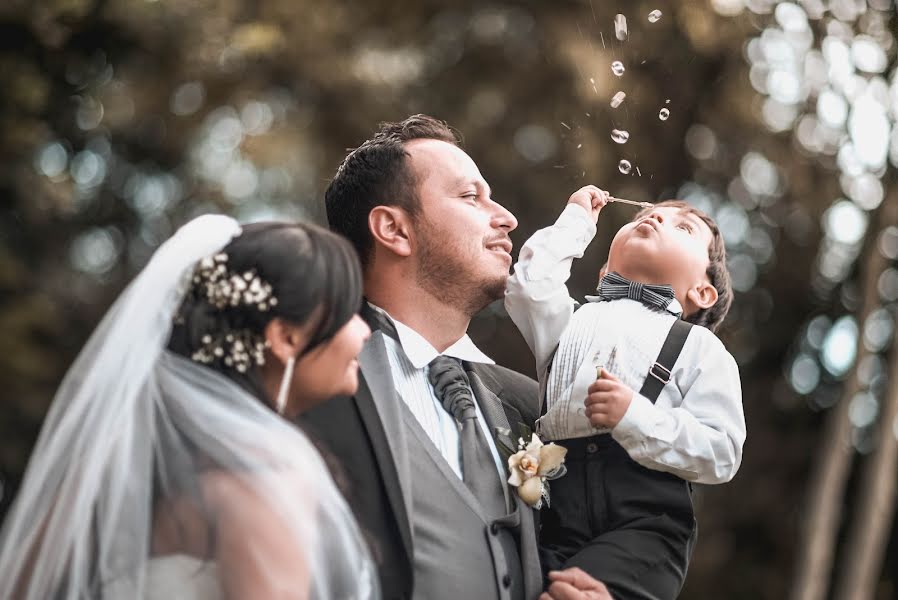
x=630 y=527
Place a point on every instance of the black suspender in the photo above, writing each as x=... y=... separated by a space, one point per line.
x=659 y=373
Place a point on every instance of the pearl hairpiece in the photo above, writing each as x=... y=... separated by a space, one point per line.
x=222 y=288
x=225 y=288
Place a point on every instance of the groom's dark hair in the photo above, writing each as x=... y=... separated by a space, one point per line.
x=377 y=173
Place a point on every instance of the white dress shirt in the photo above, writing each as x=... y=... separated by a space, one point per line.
x=695 y=429
x=409 y=360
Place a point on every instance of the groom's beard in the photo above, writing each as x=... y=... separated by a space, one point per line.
x=446 y=273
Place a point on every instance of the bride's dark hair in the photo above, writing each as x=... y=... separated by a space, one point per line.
x=314 y=275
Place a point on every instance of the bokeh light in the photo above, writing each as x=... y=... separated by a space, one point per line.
x=52 y=160
x=863 y=409
x=840 y=346
x=535 y=143
x=804 y=374
x=96 y=251
x=845 y=223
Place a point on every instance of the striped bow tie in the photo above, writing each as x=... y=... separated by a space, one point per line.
x=615 y=287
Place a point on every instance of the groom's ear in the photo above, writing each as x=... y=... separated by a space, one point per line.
x=390 y=227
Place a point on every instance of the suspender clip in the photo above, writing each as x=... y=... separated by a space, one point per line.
x=660 y=372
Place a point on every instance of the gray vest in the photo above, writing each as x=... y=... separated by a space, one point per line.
x=458 y=552
x=455 y=553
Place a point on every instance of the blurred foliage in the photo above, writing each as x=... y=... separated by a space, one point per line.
x=120 y=119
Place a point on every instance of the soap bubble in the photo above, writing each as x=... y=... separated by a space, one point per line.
x=654 y=16
x=664 y=114
x=624 y=166
x=617 y=67
x=617 y=99
x=620 y=27
x=620 y=136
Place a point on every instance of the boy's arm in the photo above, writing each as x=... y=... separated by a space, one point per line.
x=536 y=296
x=700 y=441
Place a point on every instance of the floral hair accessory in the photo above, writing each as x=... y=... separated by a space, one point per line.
x=533 y=465
x=244 y=349
x=224 y=289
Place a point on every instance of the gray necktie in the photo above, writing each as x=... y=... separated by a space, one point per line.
x=450 y=383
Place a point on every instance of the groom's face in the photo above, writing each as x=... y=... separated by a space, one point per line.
x=461 y=238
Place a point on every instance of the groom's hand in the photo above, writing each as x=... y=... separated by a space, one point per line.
x=574 y=584
x=608 y=400
x=591 y=198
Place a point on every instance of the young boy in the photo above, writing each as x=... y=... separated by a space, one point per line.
x=638 y=431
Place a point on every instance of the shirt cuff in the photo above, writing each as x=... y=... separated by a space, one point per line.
x=636 y=423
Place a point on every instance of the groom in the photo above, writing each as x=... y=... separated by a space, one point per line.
x=416 y=442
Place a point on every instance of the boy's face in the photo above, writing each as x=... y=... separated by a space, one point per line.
x=667 y=245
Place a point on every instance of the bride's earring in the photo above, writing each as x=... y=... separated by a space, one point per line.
x=281 y=402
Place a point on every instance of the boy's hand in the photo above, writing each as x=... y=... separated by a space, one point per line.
x=607 y=401
x=590 y=198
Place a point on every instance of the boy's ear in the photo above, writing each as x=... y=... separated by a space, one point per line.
x=390 y=226
x=704 y=295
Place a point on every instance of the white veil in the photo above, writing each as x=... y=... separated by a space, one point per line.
x=133 y=423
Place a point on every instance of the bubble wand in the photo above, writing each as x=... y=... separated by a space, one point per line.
x=633 y=202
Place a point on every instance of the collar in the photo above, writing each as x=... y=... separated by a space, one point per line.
x=674 y=308
x=420 y=352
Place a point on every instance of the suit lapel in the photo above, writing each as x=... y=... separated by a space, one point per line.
x=489 y=402
x=494 y=411
x=380 y=409
x=488 y=391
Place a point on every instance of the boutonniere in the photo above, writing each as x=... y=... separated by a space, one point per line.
x=531 y=464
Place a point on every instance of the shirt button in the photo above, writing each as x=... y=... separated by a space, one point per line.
x=494 y=529
x=592 y=448
x=506 y=580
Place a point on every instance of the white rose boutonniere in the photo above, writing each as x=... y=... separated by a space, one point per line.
x=531 y=468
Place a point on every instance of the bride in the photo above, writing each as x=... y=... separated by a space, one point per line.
x=165 y=468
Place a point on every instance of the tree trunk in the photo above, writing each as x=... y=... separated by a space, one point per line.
x=874 y=512
x=827 y=490
x=817 y=541
x=876 y=509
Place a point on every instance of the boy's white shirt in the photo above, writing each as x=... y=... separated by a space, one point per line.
x=695 y=429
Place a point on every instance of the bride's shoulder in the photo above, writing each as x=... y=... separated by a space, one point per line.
x=186 y=523
x=225 y=490
x=250 y=498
